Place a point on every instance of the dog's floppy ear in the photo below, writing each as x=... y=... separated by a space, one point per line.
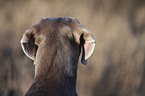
x=28 y=43
x=85 y=38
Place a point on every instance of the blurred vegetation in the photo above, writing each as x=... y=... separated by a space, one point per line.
x=116 y=68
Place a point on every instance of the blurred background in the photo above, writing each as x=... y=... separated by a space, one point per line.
x=117 y=66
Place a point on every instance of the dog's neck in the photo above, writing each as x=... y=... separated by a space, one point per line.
x=56 y=75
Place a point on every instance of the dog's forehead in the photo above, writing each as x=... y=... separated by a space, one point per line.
x=54 y=23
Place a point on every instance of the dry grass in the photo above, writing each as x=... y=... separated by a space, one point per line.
x=117 y=67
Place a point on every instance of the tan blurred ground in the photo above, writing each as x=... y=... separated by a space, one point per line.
x=117 y=67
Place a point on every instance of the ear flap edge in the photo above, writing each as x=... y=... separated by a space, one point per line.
x=87 y=48
x=28 y=44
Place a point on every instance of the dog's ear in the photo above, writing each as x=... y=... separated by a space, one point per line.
x=28 y=43
x=85 y=38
